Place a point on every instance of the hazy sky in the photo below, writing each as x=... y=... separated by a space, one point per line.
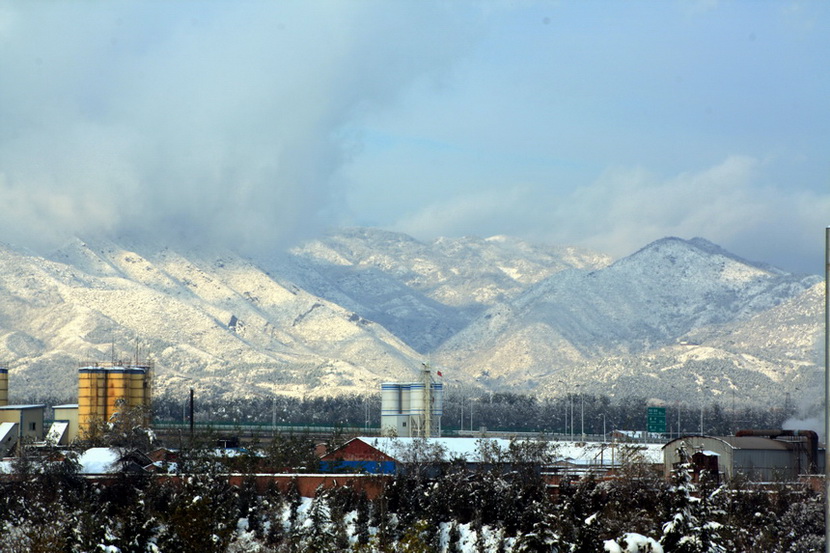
x=604 y=124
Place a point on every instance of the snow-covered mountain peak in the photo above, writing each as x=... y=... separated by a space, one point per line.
x=341 y=313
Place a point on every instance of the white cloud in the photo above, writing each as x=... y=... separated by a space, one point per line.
x=251 y=123
x=213 y=123
x=627 y=208
x=482 y=213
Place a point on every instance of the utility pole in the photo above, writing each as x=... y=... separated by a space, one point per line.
x=572 y=417
x=582 y=415
x=191 y=413
x=827 y=387
x=427 y=401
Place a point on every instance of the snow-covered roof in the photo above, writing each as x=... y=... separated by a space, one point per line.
x=6 y=428
x=22 y=407
x=469 y=449
x=56 y=432
x=8 y=437
x=445 y=449
x=99 y=460
x=598 y=453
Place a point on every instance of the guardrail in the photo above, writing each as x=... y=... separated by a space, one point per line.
x=262 y=428
x=253 y=429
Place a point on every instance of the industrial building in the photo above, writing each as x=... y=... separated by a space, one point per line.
x=412 y=409
x=104 y=391
x=27 y=419
x=64 y=429
x=760 y=455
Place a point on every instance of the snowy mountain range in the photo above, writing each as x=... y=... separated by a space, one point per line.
x=677 y=320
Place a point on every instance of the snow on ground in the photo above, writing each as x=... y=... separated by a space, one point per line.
x=635 y=543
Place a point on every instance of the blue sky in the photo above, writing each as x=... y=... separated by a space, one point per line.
x=256 y=124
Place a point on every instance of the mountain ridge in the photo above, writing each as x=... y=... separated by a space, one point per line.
x=344 y=312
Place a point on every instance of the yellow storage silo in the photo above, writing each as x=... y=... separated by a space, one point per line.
x=140 y=390
x=118 y=390
x=4 y=387
x=140 y=387
x=91 y=396
x=104 y=391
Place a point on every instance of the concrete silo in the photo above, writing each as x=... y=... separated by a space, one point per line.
x=104 y=391
x=412 y=409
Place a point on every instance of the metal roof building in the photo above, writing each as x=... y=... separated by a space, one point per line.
x=763 y=455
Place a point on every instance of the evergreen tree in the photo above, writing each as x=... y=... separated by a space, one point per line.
x=200 y=517
x=293 y=501
x=317 y=535
x=421 y=537
x=542 y=537
x=578 y=514
x=688 y=529
x=802 y=526
x=362 y=520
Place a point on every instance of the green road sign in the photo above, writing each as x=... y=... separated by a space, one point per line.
x=656 y=419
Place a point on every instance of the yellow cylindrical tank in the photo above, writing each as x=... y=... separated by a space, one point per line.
x=91 y=396
x=105 y=391
x=137 y=378
x=4 y=387
x=118 y=382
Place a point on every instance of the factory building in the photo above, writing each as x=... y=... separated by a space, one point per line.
x=29 y=420
x=64 y=430
x=412 y=409
x=760 y=455
x=104 y=391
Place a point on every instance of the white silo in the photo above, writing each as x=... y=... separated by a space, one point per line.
x=412 y=409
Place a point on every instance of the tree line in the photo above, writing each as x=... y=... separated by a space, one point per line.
x=570 y=414
x=503 y=507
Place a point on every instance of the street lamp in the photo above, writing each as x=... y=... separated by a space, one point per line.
x=582 y=414
x=471 y=414
x=571 y=399
x=566 y=412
